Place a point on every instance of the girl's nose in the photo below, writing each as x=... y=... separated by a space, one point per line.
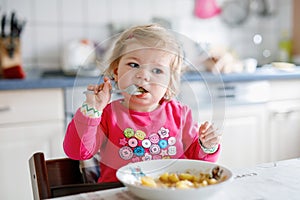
x=143 y=73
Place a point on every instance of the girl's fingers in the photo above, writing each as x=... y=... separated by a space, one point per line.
x=204 y=127
x=211 y=142
x=106 y=79
x=90 y=87
x=97 y=88
x=210 y=137
x=208 y=130
x=106 y=86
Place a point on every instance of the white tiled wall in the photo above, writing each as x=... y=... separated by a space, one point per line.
x=51 y=24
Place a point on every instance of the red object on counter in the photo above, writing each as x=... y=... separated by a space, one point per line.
x=206 y=8
x=15 y=72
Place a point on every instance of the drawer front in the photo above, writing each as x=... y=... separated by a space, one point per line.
x=285 y=89
x=31 y=105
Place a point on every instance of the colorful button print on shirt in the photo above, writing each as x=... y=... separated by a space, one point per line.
x=163 y=132
x=129 y=132
x=164 y=152
x=126 y=153
x=132 y=142
x=163 y=144
x=139 y=151
x=154 y=149
x=171 y=141
x=147 y=157
x=146 y=143
x=154 y=138
x=137 y=146
x=123 y=141
x=140 y=134
x=172 y=150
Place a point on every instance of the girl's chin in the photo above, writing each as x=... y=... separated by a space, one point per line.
x=141 y=103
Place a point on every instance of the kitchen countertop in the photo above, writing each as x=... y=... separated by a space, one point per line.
x=58 y=80
x=268 y=181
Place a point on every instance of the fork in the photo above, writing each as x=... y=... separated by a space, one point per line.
x=137 y=172
x=132 y=90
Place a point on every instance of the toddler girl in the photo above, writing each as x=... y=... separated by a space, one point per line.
x=148 y=124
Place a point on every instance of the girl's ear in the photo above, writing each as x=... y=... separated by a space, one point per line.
x=116 y=74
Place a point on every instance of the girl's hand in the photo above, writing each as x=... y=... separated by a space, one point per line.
x=208 y=135
x=101 y=96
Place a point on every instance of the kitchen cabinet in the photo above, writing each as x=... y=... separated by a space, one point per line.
x=284 y=117
x=30 y=121
x=259 y=120
x=284 y=129
x=243 y=136
x=239 y=111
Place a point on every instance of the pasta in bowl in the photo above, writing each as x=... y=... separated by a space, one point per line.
x=174 y=179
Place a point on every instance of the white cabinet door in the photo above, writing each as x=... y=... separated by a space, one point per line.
x=17 y=144
x=284 y=134
x=243 y=136
x=30 y=121
x=239 y=111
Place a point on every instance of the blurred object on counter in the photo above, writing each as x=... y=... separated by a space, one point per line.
x=250 y=65
x=285 y=66
x=10 y=48
x=206 y=9
x=221 y=60
x=285 y=47
x=296 y=32
x=296 y=59
x=80 y=58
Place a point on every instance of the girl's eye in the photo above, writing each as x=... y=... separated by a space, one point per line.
x=157 y=71
x=133 y=65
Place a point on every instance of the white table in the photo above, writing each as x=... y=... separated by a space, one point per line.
x=270 y=181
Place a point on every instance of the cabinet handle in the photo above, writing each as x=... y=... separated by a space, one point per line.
x=4 y=108
x=286 y=112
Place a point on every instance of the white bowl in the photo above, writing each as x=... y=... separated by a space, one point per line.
x=155 y=168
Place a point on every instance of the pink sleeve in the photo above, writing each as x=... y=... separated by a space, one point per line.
x=82 y=138
x=190 y=140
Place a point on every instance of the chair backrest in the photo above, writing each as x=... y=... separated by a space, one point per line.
x=60 y=177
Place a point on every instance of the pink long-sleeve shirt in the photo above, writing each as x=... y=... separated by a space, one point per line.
x=125 y=136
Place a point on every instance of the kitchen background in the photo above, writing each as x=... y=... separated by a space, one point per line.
x=259 y=111
x=52 y=24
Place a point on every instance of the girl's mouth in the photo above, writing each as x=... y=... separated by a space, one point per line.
x=141 y=90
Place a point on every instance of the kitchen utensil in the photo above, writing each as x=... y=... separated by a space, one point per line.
x=235 y=12
x=132 y=90
x=137 y=172
x=10 y=47
x=260 y=7
x=155 y=168
x=3 y=23
x=79 y=57
x=206 y=8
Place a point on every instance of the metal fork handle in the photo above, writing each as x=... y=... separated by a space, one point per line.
x=92 y=91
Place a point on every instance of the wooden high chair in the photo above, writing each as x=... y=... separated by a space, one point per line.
x=60 y=177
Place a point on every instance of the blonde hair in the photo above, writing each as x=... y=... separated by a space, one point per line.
x=150 y=36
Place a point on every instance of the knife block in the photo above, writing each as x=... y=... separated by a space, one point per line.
x=10 y=58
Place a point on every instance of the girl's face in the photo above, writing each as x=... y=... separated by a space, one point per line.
x=149 y=70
